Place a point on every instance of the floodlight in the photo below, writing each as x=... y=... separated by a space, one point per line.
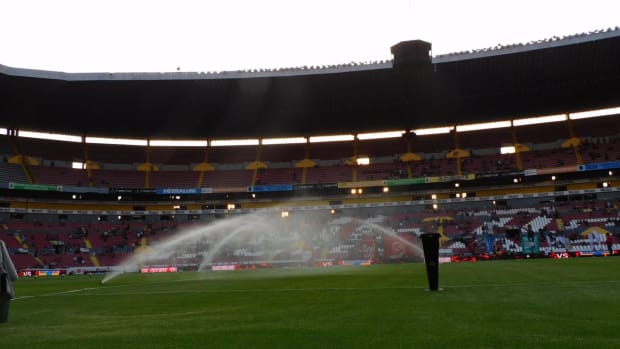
x=290 y=140
x=116 y=141
x=594 y=113
x=433 y=130
x=539 y=120
x=507 y=150
x=380 y=135
x=332 y=138
x=179 y=143
x=49 y=136
x=233 y=142
x=482 y=126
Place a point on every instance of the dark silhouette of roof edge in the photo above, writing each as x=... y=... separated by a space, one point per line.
x=311 y=70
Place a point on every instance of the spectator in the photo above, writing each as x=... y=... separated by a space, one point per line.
x=609 y=242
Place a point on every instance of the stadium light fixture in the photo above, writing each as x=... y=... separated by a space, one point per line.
x=4 y=131
x=507 y=150
x=179 y=143
x=49 y=136
x=539 y=120
x=594 y=113
x=433 y=130
x=332 y=138
x=380 y=135
x=364 y=161
x=483 y=126
x=233 y=142
x=116 y=141
x=290 y=140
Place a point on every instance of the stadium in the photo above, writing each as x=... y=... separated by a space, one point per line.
x=280 y=207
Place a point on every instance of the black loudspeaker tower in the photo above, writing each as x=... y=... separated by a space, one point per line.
x=412 y=55
x=430 y=244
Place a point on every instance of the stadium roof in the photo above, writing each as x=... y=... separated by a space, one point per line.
x=551 y=76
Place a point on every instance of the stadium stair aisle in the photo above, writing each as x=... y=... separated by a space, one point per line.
x=26 y=247
x=305 y=163
x=573 y=142
x=518 y=148
x=93 y=257
x=39 y=261
x=89 y=167
x=201 y=178
x=442 y=236
x=21 y=242
x=203 y=167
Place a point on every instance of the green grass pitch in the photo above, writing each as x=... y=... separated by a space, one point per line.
x=540 y=303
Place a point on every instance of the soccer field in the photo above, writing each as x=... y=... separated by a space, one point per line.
x=541 y=303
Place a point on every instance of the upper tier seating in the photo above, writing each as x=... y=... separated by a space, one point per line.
x=600 y=143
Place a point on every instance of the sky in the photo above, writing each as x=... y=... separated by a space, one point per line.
x=204 y=35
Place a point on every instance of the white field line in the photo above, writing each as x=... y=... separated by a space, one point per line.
x=310 y=289
x=54 y=293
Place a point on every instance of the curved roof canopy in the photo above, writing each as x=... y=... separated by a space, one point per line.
x=413 y=91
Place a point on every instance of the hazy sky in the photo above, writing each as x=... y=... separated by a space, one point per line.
x=158 y=35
